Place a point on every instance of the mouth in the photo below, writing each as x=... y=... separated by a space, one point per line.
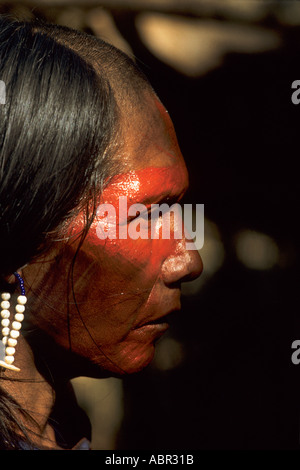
x=152 y=327
x=165 y=319
x=150 y=332
x=157 y=326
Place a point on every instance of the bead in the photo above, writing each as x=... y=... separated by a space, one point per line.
x=11 y=342
x=9 y=366
x=5 y=304
x=20 y=308
x=5 y=313
x=5 y=331
x=5 y=296
x=14 y=334
x=10 y=351
x=4 y=340
x=22 y=299
x=16 y=325
x=19 y=317
x=5 y=322
x=9 y=359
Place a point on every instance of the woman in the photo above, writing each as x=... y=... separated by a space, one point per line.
x=80 y=127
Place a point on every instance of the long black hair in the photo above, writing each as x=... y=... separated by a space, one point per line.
x=57 y=127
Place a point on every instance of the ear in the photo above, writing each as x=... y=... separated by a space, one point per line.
x=9 y=283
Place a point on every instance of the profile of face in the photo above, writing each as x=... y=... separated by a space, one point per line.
x=114 y=311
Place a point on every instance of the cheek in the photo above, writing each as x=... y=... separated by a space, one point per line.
x=130 y=259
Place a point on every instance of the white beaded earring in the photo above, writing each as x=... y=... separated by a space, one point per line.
x=10 y=335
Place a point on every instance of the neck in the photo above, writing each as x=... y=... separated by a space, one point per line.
x=48 y=398
x=34 y=395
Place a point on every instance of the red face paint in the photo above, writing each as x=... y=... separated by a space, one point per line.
x=124 y=287
x=122 y=277
x=148 y=186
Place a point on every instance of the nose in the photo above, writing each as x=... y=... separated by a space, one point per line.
x=182 y=266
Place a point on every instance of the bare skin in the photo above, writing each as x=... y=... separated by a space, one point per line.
x=34 y=395
x=123 y=289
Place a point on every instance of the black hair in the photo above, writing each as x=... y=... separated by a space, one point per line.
x=66 y=93
x=55 y=129
x=57 y=126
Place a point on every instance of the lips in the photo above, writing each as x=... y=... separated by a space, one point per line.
x=161 y=321
x=149 y=332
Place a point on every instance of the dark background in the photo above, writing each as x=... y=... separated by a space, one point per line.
x=236 y=386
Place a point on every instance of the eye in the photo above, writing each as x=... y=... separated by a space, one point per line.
x=154 y=213
x=138 y=211
x=144 y=215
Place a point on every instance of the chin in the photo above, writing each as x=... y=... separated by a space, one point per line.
x=129 y=362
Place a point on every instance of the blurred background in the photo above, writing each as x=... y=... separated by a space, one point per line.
x=222 y=377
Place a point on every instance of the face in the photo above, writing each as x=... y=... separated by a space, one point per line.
x=122 y=288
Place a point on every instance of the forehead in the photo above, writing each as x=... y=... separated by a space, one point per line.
x=148 y=136
x=151 y=166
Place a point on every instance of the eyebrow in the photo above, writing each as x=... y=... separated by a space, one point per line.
x=163 y=197
x=151 y=191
